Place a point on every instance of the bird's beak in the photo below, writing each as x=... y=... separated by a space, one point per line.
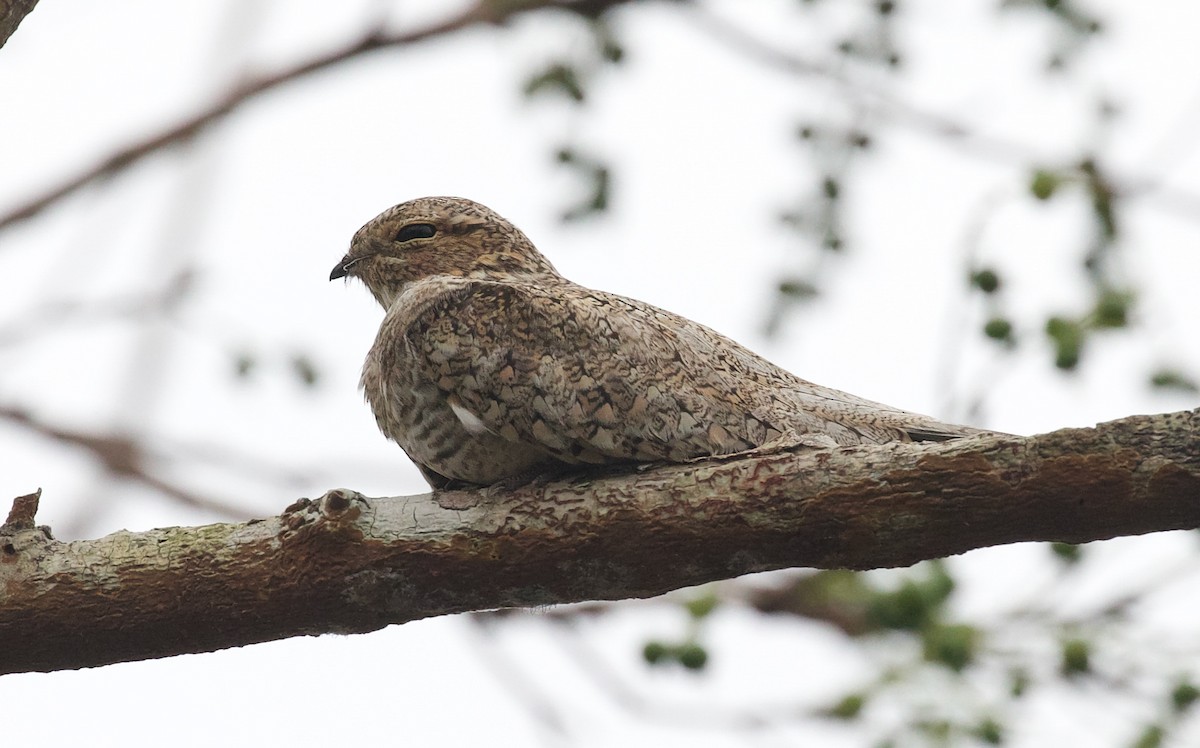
x=342 y=269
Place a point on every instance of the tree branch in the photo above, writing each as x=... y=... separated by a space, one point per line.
x=122 y=456
x=12 y=12
x=485 y=11
x=346 y=564
x=944 y=127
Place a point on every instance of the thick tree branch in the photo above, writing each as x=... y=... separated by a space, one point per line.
x=347 y=564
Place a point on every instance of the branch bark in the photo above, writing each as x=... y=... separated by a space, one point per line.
x=345 y=564
x=12 y=12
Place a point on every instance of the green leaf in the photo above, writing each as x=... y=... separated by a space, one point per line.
x=1044 y=184
x=1183 y=696
x=305 y=370
x=1068 y=338
x=1172 y=379
x=243 y=364
x=998 y=328
x=1068 y=553
x=989 y=731
x=1018 y=682
x=1112 y=309
x=692 y=656
x=1151 y=737
x=848 y=708
x=951 y=645
x=798 y=288
x=1076 y=658
x=904 y=610
x=831 y=187
x=612 y=51
x=558 y=78
x=986 y=280
x=655 y=652
x=699 y=607
x=915 y=604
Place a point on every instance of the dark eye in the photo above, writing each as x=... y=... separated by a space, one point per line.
x=415 y=231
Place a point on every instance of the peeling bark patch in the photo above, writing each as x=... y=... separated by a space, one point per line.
x=453 y=500
x=1173 y=481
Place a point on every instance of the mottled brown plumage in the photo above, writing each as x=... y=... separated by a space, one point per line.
x=490 y=366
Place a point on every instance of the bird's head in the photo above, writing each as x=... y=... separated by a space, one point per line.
x=433 y=236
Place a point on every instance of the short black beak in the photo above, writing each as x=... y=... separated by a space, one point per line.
x=341 y=270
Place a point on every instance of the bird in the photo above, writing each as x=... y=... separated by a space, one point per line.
x=491 y=368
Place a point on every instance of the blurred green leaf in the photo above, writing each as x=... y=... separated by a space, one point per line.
x=654 y=652
x=1068 y=553
x=986 y=280
x=699 y=607
x=1172 y=379
x=1076 y=658
x=1103 y=199
x=598 y=183
x=989 y=731
x=1044 y=184
x=305 y=370
x=915 y=604
x=243 y=364
x=561 y=78
x=1151 y=737
x=798 y=289
x=1068 y=341
x=940 y=730
x=1184 y=696
x=1112 y=309
x=859 y=139
x=848 y=707
x=1018 y=682
x=999 y=329
x=692 y=656
x=831 y=187
x=951 y=645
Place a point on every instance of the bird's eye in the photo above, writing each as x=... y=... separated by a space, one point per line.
x=415 y=231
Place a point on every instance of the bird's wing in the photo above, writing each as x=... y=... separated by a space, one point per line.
x=594 y=377
x=586 y=376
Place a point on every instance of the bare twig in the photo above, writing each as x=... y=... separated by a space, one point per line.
x=50 y=314
x=378 y=39
x=941 y=126
x=517 y=683
x=123 y=457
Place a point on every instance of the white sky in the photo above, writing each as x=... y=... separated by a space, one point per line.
x=702 y=141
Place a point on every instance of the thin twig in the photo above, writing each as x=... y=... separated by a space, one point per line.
x=516 y=682
x=377 y=39
x=941 y=126
x=124 y=457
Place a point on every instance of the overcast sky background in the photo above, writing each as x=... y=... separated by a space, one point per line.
x=703 y=143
